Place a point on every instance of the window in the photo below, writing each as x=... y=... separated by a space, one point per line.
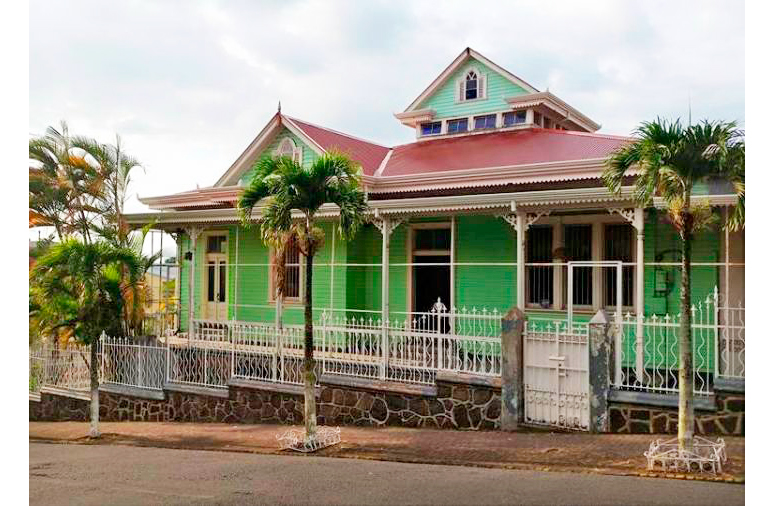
x=540 y=279
x=454 y=126
x=485 y=122
x=577 y=246
x=514 y=118
x=292 y=273
x=546 y=122
x=619 y=247
x=537 y=119
x=471 y=86
x=429 y=129
x=432 y=239
x=287 y=148
x=216 y=244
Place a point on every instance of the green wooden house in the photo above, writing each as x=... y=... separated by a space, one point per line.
x=496 y=204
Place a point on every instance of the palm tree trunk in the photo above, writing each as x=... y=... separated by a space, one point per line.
x=685 y=405
x=94 y=374
x=310 y=412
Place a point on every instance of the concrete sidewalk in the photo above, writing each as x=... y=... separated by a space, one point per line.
x=531 y=450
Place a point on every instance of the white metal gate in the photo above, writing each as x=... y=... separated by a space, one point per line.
x=556 y=375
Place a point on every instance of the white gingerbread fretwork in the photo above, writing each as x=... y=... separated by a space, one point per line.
x=530 y=218
x=391 y=223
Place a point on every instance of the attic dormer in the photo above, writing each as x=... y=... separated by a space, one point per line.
x=474 y=95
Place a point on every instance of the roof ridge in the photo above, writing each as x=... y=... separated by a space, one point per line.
x=336 y=132
x=584 y=134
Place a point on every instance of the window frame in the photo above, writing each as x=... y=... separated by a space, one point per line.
x=301 y=279
x=440 y=128
x=493 y=116
x=458 y=121
x=516 y=114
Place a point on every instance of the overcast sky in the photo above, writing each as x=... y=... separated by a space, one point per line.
x=189 y=84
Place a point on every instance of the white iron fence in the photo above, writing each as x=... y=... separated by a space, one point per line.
x=133 y=362
x=652 y=362
x=64 y=368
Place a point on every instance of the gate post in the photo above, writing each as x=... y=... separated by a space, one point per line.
x=600 y=347
x=512 y=352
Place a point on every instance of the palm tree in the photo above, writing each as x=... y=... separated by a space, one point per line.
x=287 y=185
x=64 y=184
x=81 y=290
x=671 y=160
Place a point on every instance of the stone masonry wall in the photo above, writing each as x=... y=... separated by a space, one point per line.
x=458 y=406
x=728 y=419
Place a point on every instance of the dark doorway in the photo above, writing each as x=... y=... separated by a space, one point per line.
x=431 y=282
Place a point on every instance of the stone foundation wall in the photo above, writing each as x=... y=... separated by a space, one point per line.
x=727 y=419
x=458 y=406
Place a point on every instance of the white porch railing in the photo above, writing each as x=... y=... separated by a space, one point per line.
x=652 y=363
x=64 y=368
x=731 y=340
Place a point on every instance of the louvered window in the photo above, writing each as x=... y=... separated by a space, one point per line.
x=288 y=148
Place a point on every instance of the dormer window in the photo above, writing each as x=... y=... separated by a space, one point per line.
x=287 y=148
x=512 y=118
x=455 y=126
x=471 y=86
x=488 y=121
x=431 y=128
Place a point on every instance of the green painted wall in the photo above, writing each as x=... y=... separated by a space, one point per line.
x=498 y=88
x=309 y=155
x=485 y=239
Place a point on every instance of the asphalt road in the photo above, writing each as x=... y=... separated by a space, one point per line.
x=62 y=474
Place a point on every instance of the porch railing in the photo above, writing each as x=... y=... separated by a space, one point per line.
x=652 y=362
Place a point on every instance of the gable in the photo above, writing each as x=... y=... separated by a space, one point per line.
x=308 y=155
x=444 y=100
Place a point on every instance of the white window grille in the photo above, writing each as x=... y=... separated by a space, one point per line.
x=472 y=86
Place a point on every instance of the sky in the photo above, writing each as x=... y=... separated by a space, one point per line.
x=189 y=84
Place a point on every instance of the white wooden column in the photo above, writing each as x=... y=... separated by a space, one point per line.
x=520 y=221
x=193 y=236
x=521 y=232
x=636 y=217
x=385 y=226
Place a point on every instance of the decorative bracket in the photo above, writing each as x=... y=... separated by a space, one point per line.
x=530 y=218
x=632 y=215
x=391 y=224
x=194 y=232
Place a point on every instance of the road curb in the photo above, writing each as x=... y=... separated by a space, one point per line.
x=117 y=439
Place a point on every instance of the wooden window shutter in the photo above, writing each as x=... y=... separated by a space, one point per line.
x=460 y=90
x=298 y=155
x=481 y=92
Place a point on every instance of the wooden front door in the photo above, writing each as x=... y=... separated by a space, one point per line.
x=215 y=278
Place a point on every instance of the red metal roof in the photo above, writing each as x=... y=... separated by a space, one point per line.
x=498 y=149
x=368 y=154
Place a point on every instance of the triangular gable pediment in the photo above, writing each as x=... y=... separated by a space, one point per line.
x=268 y=140
x=448 y=77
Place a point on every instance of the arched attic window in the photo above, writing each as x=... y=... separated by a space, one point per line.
x=287 y=148
x=472 y=86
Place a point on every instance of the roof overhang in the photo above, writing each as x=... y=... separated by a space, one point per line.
x=575 y=198
x=414 y=118
x=712 y=200
x=556 y=105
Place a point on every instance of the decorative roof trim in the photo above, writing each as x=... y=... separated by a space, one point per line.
x=556 y=104
x=261 y=141
x=413 y=118
x=456 y=64
x=583 y=197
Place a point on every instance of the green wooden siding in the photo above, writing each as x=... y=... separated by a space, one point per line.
x=443 y=101
x=485 y=239
x=479 y=239
x=308 y=153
